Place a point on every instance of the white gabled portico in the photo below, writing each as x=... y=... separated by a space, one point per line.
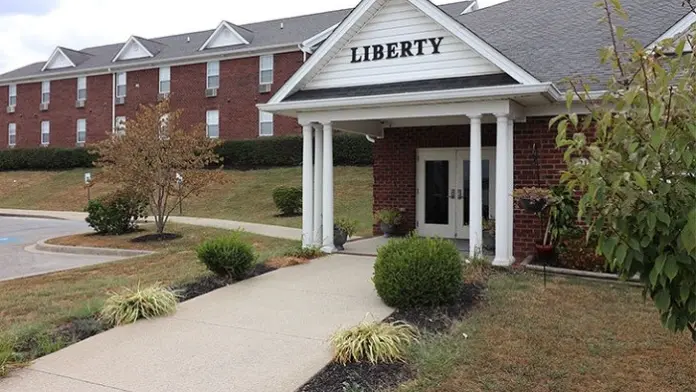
x=404 y=63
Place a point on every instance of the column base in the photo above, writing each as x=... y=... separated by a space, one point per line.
x=328 y=249
x=503 y=262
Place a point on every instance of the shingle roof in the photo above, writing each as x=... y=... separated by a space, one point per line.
x=264 y=34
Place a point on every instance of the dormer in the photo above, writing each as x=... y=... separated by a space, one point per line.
x=228 y=34
x=137 y=48
x=65 y=58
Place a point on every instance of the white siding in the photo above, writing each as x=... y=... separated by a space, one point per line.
x=59 y=61
x=133 y=51
x=224 y=37
x=400 y=21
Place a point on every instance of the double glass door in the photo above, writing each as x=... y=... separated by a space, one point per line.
x=443 y=194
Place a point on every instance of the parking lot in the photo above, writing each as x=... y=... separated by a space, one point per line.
x=17 y=259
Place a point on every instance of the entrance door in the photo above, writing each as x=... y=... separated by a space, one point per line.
x=442 y=200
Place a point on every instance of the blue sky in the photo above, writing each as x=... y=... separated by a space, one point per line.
x=31 y=29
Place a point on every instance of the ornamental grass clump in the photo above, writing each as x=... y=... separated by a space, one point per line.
x=229 y=257
x=130 y=305
x=373 y=342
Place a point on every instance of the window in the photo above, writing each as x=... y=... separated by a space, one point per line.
x=213 y=74
x=120 y=125
x=212 y=124
x=45 y=92
x=12 y=135
x=45 y=133
x=265 y=124
x=81 y=131
x=82 y=88
x=266 y=69
x=13 y=95
x=120 y=85
x=165 y=80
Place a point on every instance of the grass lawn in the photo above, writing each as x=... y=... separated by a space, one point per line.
x=245 y=197
x=570 y=336
x=44 y=302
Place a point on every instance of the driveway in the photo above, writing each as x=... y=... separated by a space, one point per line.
x=16 y=234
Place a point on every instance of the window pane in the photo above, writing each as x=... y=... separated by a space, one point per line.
x=212 y=117
x=81 y=83
x=213 y=131
x=267 y=62
x=13 y=100
x=266 y=77
x=45 y=97
x=13 y=89
x=165 y=86
x=213 y=81
x=82 y=94
x=121 y=79
x=213 y=68
x=266 y=129
x=165 y=73
x=45 y=87
x=436 y=196
x=121 y=91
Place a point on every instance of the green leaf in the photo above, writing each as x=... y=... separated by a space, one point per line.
x=663 y=217
x=684 y=292
x=662 y=300
x=640 y=180
x=607 y=247
x=671 y=268
x=654 y=273
x=620 y=254
x=660 y=263
x=688 y=234
x=692 y=304
x=656 y=114
x=658 y=137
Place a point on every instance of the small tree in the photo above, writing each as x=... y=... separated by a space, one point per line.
x=159 y=160
x=637 y=172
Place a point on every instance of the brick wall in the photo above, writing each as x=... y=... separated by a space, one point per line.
x=395 y=168
x=236 y=101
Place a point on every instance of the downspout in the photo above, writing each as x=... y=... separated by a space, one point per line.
x=113 y=102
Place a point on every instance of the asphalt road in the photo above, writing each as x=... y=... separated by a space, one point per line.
x=16 y=234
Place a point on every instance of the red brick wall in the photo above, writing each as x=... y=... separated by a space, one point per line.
x=236 y=101
x=395 y=168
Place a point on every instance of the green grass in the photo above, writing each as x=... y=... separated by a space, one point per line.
x=572 y=335
x=246 y=196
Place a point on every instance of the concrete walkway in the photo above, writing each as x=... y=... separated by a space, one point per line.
x=256 y=228
x=265 y=334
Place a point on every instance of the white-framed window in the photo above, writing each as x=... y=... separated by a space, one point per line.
x=266 y=69
x=165 y=80
x=82 y=88
x=120 y=125
x=164 y=127
x=265 y=124
x=12 y=134
x=120 y=85
x=45 y=91
x=81 y=131
x=212 y=124
x=45 y=133
x=213 y=75
x=12 y=99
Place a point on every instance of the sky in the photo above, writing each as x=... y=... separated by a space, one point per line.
x=31 y=29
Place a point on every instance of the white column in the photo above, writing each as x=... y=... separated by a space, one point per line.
x=307 y=187
x=328 y=194
x=318 y=181
x=502 y=256
x=476 y=188
x=511 y=188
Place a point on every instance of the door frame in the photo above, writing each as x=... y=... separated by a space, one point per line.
x=455 y=229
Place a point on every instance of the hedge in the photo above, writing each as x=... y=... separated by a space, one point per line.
x=349 y=150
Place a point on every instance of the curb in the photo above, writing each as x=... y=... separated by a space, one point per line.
x=582 y=274
x=83 y=250
x=11 y=215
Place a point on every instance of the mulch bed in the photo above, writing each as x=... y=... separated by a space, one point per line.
x=372 y=378
x=156 y=238
x=208 y=283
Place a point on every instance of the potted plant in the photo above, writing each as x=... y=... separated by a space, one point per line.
x=532 y=199
x=389 y=220
x=561 y=213
x=489 y=234
x=344 y=228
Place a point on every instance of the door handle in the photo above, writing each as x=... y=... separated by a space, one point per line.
x=452 y=193
x=459 y=194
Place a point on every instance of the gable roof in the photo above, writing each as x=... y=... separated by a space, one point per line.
x=150 y=47
x=242 y=35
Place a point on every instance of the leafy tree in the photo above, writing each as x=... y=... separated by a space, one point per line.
x=637 y=170
x=160 y=160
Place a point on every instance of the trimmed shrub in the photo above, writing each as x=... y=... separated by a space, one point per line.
x=117 y=213
x=373 y=342
x=45 y=158
x=288 y=199
x=131 y=305
x=228 y=257
x=417 y=271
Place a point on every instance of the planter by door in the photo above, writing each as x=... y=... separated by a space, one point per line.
x=533 y=206
x=388 y=230
x=488 y=241
x=340 y=238
x=544 y=252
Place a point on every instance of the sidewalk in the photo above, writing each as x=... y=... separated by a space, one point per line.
x=256 y=228
x=265 y=334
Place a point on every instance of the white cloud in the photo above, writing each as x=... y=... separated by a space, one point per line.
x=82 y=23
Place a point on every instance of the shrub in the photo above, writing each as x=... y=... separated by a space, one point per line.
x=309 y=253
x=117 y=213
x=8 y=357
x=348 y=226
x=388 y=217
x=43 y=158
x=229 y=257
x=418 y=271
x=130 y=305
x=288 y=199
x=373 y=342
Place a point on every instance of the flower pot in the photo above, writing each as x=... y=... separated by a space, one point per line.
x=534 y=206
x=544 y=253
x=488 y=241
x=388 y=230
x=340 y=238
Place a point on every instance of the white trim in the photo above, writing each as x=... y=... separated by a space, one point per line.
x=346 y=30
x=57 y=51
x=123 y=48
x=225 y=25
x=681 y=26
x=472 y=7
x=307 y=45
x=154 y=63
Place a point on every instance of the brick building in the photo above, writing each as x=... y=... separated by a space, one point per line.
x=457 y=104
